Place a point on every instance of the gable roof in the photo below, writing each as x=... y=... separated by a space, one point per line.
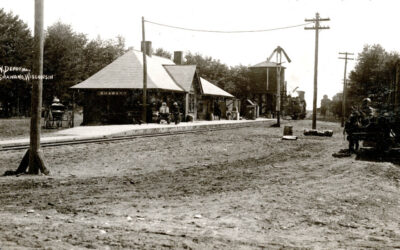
x=126 y=72
x=210 y=89
x=182 y=74
x=266 y=64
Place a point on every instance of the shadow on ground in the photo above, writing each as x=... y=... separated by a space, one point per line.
x=370 y=154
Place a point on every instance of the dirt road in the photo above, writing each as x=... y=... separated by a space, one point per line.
x=233 y=189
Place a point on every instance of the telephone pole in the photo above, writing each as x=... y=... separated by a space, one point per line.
x=346 y=57
x=33 y=157
x=396 y=87
x=144 y=114
x=316 y=27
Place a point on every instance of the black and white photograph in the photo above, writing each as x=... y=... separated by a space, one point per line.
x=214 y=124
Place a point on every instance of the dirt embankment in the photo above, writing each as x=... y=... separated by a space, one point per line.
x=235 y=189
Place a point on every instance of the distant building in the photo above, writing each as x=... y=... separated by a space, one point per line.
x=115 y=92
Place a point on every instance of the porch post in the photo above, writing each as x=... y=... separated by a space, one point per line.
x=186 y=105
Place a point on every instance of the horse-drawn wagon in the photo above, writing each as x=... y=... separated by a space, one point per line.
x=57 y=115
x=379 y=129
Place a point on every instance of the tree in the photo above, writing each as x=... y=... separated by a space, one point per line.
x=235 y=80
x=238 y=81
x=15 y=50
x=72 y=59
x=325 y=103
x=99 y=53
x=335 y=106
x=163 y=53
x=63 y=58
x=373 y=76
x=209 y=68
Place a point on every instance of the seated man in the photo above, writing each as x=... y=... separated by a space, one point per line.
x=368 y=113
x=164 y=113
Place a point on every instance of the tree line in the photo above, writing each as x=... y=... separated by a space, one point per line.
x=374 y=76
x=233 y=79
x=69 y=57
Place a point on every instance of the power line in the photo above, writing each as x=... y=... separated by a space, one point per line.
x=226 y=31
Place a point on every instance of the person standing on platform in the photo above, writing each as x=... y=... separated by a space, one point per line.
x=176 y=113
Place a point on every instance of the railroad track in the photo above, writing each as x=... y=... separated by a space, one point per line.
x=122 y=138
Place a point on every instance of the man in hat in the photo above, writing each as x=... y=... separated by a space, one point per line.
x=366 y=107
x=176 y=113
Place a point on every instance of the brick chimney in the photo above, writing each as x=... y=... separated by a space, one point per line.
x=178 y=57
x=149 y=50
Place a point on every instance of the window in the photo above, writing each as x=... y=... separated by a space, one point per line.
x=191 y=103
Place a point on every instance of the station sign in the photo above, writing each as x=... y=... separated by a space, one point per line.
x=111 y=92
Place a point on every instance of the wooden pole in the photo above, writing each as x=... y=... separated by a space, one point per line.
x=144 y=114
x=396 y=87
x=73 y=109
x=344 y=85
x=278 y=89
x=314 y=115
x=36 y=161
x=317 y=27
x=344 y=94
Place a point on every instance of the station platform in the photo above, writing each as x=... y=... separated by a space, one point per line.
x=82 y=133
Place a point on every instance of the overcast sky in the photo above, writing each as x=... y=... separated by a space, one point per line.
x=353 y=24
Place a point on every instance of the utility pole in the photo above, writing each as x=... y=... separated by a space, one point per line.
x=396 y=87
x=346 y=57
x=34 y=157
x=316 y=27
x=144 y=101
x=278 y=90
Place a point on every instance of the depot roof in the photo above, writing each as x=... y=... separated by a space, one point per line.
x=182 y=74
x=126 y=72
x=210 y=89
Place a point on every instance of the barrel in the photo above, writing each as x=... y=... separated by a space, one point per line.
x=288 y=130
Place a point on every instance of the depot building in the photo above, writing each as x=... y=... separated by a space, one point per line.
x=114 y=94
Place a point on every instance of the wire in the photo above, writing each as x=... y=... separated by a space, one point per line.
x=229 y=31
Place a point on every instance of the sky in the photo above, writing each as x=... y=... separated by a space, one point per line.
x=353 y=24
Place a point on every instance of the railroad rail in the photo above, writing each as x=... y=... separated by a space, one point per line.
x=128 y=137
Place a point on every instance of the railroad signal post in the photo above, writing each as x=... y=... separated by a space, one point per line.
x=316 y=27
x=346 y=57
x=278 y=51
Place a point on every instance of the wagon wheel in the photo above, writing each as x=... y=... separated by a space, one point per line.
x=383 y=142
x=47 y=123
x=59 y=123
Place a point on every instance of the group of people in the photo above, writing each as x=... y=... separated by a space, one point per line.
x=165 y=114
x=155 y=114
x=358 y=119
